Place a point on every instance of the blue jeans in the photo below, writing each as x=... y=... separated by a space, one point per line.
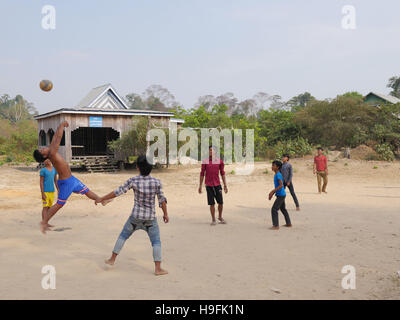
x=150 y=226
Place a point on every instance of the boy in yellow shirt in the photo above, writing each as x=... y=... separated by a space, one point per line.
x=48 y=178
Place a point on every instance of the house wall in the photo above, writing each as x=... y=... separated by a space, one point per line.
x=119 y=123
x=52 y=123
x=374 y=100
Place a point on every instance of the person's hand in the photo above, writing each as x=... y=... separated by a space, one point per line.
x=98 y=200
x=200 y=189
x=225 y=189
x=288 y=183
x=314 y=171
x=165 y=218
x=271 y=194
x=326 y=171
x=43 y=196
x=66 y=124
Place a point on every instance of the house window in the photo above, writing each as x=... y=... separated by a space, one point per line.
x=42 y=138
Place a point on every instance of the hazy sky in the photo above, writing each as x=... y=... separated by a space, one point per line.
x=197 y=47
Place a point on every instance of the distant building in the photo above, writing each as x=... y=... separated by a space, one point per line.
x=377 y=99
x=100 y=117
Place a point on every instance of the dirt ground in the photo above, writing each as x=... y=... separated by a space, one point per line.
x=357 y=223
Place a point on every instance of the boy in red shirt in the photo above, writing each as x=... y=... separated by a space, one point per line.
x=211 y=168
x=321 y=170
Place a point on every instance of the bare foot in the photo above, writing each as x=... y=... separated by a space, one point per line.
x=160 y=272
x=43 y=227
x=274 y=228
x=105 y=202
x=288 y=225
x=213 y=223
x=221 y=221
x=50 y=225
x=109 y=262
x=325 y=192
x=297 y=208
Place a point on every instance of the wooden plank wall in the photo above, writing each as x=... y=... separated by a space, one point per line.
x=119 y=123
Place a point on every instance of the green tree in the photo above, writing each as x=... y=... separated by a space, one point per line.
x=300 y=101
x=394 y=84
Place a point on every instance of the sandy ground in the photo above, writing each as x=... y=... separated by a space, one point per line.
x=357 y=223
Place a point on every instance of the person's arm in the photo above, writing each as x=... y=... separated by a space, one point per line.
x=55 y=182
x=116 y=193
x=225 y=186
x=162 y=202
x=271 y=194
x=222 y=171
x=108 y=196
x=315 y=167
x=289 y=181
x=55 y=143
x=42 y=188
x=202 y=173
x=165 y=213
x=326 y=165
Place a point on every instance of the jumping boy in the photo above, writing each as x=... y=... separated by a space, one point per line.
x=143 y=215
x=48 y=178
x=211 y=168
x=287 y=174
x=280 y=193
x=67 y=183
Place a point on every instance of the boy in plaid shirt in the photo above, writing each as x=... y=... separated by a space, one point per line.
x=143 y=214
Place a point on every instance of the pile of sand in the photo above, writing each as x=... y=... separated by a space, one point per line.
x=363 y=152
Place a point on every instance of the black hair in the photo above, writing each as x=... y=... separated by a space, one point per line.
x=38 y=156
x=286 y=155
x=320 y=148
x=143 y=165
x=277 y=163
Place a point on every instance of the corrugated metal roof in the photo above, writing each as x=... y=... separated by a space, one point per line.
x=99 y=93
x=129 y=112
x=385 y=97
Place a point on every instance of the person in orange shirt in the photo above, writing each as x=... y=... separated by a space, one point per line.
x=321 y=170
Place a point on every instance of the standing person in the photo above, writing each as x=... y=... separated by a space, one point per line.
x=143 y=215
x=48 y=178
x=321 y=170
x=287 y=173
x=280 y=193
x=67 y=183
x=211 y=168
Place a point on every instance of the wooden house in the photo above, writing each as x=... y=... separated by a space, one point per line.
x=100 y=117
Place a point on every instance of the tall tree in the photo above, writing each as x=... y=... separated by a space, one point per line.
x=17 y=109
x=155 y=97
x=394 y=83
x=300 y=101
x=207 y=101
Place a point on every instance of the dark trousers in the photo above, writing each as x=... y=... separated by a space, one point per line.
x=279 y=204
x=291 y=189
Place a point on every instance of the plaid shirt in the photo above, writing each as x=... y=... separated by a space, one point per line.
x=145 y=189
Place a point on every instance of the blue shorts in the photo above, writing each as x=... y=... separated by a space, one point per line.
x=68 y=186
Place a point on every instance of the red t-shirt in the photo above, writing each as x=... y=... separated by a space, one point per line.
x=212 y=169
x=321 y=162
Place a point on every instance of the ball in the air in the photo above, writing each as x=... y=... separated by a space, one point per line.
x=46 y=85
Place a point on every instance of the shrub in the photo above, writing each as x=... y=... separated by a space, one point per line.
x=295 y=148
x=385 y=152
